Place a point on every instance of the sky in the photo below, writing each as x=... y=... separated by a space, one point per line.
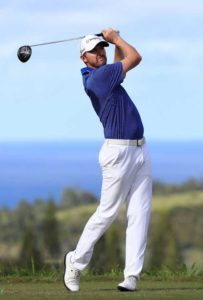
x=44 y=98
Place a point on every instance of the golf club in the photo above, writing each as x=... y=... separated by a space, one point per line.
x=24 y=52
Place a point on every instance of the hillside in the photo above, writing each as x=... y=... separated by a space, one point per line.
x=175 y=233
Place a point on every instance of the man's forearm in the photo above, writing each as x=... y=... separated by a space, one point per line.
x=124 y=52
x=118 y=55
x=127 y=51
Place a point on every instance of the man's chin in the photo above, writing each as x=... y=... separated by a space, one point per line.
x=102 y=62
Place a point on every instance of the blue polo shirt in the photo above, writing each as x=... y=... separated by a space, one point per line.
x=116 y=111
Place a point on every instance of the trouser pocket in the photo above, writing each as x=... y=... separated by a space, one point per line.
x=110 y=155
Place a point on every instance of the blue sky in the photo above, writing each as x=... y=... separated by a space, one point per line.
x=44 y=99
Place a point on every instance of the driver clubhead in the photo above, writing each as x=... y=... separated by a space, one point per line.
x=24 y=53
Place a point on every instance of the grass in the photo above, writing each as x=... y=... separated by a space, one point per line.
x=159 y=204
x=168 y=202
x=183 y=284
x=101 y=287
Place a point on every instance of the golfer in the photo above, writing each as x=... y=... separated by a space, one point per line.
x=124 y=159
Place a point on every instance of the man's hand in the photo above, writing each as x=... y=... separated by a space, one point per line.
x=110 y=35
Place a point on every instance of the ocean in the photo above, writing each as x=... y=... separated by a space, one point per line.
x=33 y=170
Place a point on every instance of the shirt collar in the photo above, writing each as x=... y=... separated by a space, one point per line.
x=86 y=70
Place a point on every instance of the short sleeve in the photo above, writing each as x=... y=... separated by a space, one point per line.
x=113 y=74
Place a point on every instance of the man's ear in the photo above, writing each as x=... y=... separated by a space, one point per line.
x=84 y=59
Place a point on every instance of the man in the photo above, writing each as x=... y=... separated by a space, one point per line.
x=123 y=158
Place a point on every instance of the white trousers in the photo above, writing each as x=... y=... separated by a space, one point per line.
x=127 y=177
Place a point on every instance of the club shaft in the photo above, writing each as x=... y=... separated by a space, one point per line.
x=61 y=41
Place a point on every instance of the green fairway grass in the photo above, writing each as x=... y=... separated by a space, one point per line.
x=102 y=289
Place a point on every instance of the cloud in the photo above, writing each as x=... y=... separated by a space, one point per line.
x=172 y=7
x=76 y=15
x=38 y=21
x=35 y=22
x=7 y=49
x=183 y=51
x=113 y=6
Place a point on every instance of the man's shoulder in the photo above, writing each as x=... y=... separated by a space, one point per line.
x=108 y=69
x=114 y=65
x=104 y=77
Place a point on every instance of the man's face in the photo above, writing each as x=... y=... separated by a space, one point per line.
x=96 y=57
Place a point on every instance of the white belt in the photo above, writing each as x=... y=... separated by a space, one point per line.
x=137 y=143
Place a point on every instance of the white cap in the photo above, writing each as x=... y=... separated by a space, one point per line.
x=89 y=42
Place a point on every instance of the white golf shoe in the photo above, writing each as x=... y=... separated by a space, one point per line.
x=71 y=274
x=128 y=285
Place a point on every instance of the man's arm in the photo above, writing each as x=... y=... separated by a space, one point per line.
x=118 y=54
x=124 y=52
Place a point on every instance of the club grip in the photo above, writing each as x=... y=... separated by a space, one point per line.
x=101 y=34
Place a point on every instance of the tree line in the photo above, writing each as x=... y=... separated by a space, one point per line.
x=192 y=184
x=34 y=230
x=41 y=232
